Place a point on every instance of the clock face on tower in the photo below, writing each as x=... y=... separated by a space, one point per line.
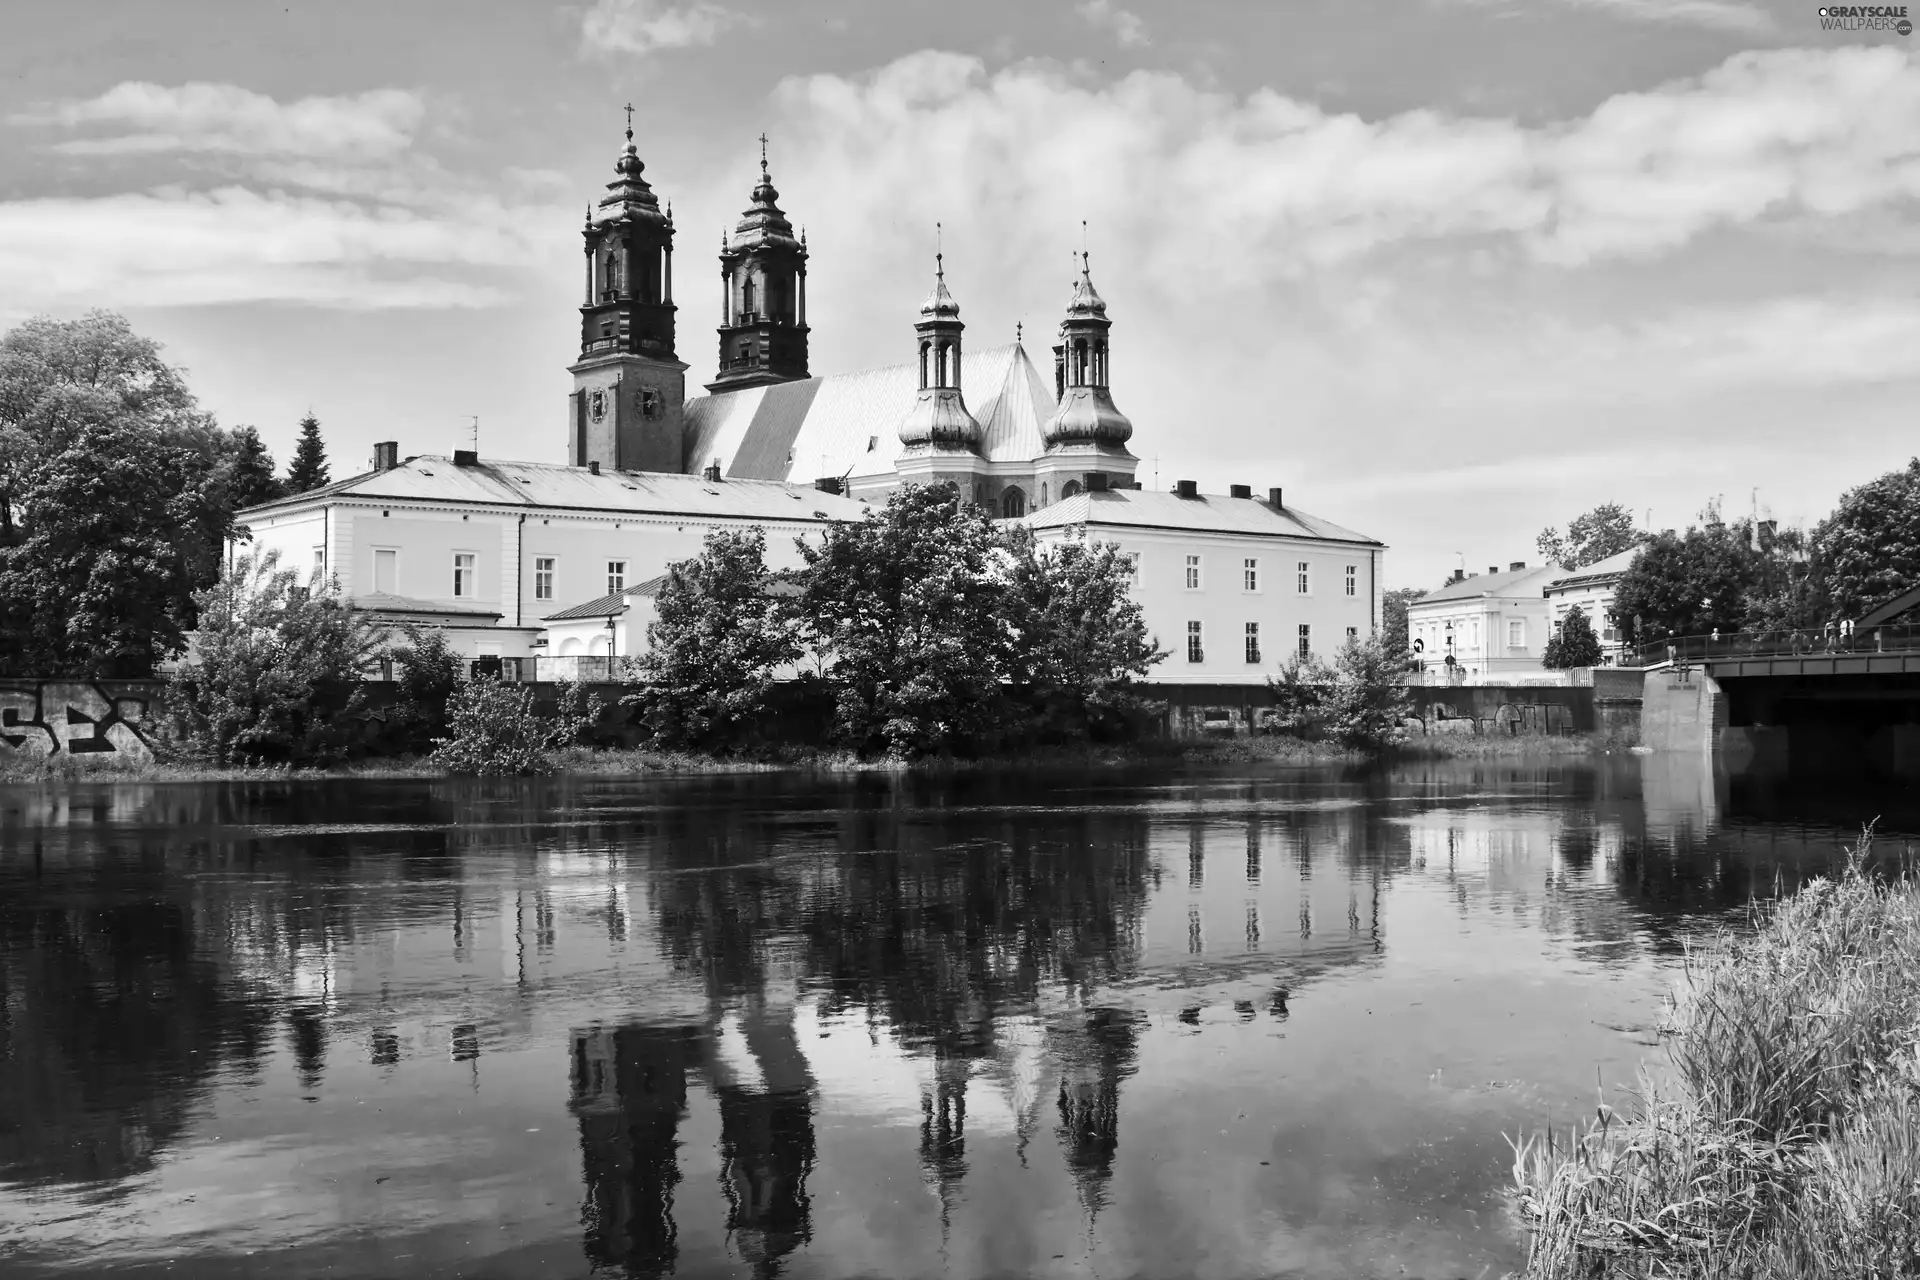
x=597 y=404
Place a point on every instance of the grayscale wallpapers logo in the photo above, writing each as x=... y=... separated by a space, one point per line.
x=1865 y=17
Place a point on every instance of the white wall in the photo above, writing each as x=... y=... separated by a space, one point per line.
x=1596 y=601
x=1223 y=606
x=1481 y=635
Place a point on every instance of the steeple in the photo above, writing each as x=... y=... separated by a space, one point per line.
x=763 y=272
x=629 y=387
x=939 y=422
x=1086 y=415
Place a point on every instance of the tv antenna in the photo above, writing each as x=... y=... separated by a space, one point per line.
x=476 y=432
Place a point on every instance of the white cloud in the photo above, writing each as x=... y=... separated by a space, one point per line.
x=1721 y=15
x=643 y=26
x=224 y=118
x=1127 y=28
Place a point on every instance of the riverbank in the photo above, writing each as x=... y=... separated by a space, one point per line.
x=1784 y=1140
x=627 y=762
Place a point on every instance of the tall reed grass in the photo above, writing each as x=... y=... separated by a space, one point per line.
x=1785 y=1140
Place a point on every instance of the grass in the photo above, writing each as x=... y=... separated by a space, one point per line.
x=1505 y=746
x=1784 y=1139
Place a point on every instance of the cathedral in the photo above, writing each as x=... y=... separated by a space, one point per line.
x=540 y=563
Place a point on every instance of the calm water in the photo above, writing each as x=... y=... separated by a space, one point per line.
x=1255 y=1023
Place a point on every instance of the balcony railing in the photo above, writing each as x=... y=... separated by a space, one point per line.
x=1813 y=642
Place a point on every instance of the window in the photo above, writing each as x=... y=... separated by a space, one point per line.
x=1253 y=642
x=543 y=578
x=1306 y=640
x=1193 y=576
x=1302 y=581
x=1250 y=575
x=463 y=573
x=1196 y=652
x=386 y=565
x=319 y=562
x=616 y=576
x=1476 y=633
x=1353 y=580
x=1353 y=633
x=1013 y=504
x=1516 y=633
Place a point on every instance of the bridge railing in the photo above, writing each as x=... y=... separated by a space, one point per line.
x=1776 y=644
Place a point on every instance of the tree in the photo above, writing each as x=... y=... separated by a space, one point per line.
x=721 y=632
x=1607 y=530
x=430 y=674
x=903 y=609
x=308 y=470
x=1573 y=643
x=1360 y=702
x=1868 y=550
x=1689 y=584
x=493 y=730
x=1395 y=633
x=248 y=472
x=276 y=670
x=1079 y=639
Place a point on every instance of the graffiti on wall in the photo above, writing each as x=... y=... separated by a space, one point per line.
x=79 y=718
x=1508 y=718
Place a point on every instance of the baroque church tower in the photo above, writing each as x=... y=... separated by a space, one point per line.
x=763 y=316
x=1087 y=434
x=629 y=390
x=942 y=439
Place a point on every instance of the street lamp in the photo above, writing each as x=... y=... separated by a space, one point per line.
x=612 y=649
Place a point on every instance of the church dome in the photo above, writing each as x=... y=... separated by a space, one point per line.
x=940 y=419
x=629 y=195
x=763 y=224
x=1087 y=416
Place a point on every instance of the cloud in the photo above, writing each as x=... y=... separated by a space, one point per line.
x=224 y=118
x=1719 y=15
x=643 y=26
x=1127 y=28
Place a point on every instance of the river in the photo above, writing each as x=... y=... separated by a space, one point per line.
x=1256 y=1021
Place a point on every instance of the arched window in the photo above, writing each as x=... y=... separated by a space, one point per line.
x=1013 y=503
x=941 y=365
x=1100 y=364
x=1069 y=489
x=1079 y=371
x=746 y=295
x=923 y=364
x=1043 y=493
x=610 y=273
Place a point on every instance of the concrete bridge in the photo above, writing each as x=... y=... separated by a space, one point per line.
x=1839 y=698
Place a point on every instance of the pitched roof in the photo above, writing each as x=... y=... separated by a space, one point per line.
x=494 y=483
x=1599 y=571
x=608 y=605
x=848 y=424
x=1209 y=513
x=387 y=602
x=1517 y=582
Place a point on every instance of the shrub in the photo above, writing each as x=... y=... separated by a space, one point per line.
x=1573 y=643
x=276 y=670
x=429 y=676
x=493 y=730
x=1359 y=702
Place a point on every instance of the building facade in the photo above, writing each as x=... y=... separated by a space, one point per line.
x=1494 y=626
x=1590 y=590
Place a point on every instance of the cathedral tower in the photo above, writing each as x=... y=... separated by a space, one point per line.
x=942 y=438
x=763 y=317
x=1087 y=434
x=629 y=391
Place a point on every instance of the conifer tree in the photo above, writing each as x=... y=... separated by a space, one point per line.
x=249 y=470
x=308 y=470
x=1573 y=644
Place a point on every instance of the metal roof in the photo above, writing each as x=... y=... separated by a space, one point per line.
x=387 y=602
x=1517 y=582
x=1599 y=571
x=608 y=605
x=538 y=484
x=848 y=424
x=1208 y=513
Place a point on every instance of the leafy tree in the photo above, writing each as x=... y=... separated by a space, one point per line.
x=1868 y=550
x=1573 y=643
x=248 y=471
x=429 y=676
x=1607 y=530
x=493 y=730
x=1395 y=632
x=276 y=670
x=308 y=470
x=903 y=608
x=1689 y=584
x=1079 y=638
x=721 y=632
x=1360 y=701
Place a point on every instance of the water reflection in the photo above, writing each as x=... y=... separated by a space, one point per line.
x=778 y=1000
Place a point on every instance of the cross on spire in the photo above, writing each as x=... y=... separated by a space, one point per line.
x=629 y=122
x=939 y=252
x=763 y=154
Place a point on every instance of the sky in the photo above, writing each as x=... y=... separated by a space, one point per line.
x=1448 y=271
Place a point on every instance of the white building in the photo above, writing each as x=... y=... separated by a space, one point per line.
x=1231 y=586
x=1494 y=625
x=1591 y=591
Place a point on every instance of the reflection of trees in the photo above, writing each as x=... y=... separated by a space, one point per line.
x=1094 y=1059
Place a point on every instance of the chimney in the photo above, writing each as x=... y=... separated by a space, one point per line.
x=1493 y=568
x=828 y=484
x=1096 y=482
x=712 y=471
x=386 y=455
x=466 y=458
x=1186 y=488
x=1273 y=499
x=594 y=467
x=1459 y=575
x=1240 y=490
x=1516 y=566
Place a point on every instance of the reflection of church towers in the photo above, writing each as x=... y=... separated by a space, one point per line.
x=943 y=1131
x=766 y=1146
x=629 y=1092
x=1093 y=1062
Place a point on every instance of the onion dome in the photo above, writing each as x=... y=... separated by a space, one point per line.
x=1087 y=414
x=628 y=195
x=939 y=418
x=763 y=224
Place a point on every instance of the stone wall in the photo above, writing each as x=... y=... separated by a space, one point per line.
x=1682 y=710
x=86 y=719
x=1506 y=710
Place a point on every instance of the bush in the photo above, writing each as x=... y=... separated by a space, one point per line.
x=430 y=674
x=493 y=730
x=276 y=672
x=1573 y=644
x=1360 y=702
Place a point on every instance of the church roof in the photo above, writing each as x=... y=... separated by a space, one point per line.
x=493 y=483
x=848 y=424
x=1144 y=509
